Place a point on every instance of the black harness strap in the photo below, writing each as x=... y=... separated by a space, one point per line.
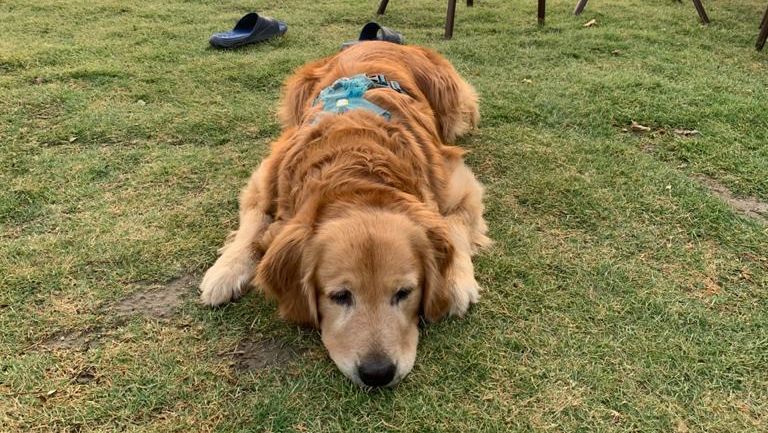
x=381 y=82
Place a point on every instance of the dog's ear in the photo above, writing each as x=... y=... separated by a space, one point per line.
x=437 y=255
x=281 y=275
x=453 y=100
x=298 y=90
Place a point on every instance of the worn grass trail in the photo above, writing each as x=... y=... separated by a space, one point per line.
x=622 y=294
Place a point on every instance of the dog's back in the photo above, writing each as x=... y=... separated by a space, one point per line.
x=424 y=75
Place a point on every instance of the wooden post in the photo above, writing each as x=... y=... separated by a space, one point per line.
x=449 y=18
x=701 y=11
x=580 y=7
x=542 y=11
x=382 y=7
x=763 y=33
x=765 y=19
x=470 y=3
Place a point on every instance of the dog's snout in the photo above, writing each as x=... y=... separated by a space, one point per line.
x=376 y=371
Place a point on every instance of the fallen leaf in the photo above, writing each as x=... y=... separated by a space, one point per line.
x=616 y=52
x=743 y=407
x=46 y=396
x=616 y=417
x=527 y=81
x=141 y=102
x=39 y=80
x=746 y=274
x=590 y=23
x=686 y=132
x=72 y=139
x=712 y=288
x=636 y=127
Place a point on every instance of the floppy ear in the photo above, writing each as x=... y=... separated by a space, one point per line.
x=453 y=100
x=436 y=299
x=298 y=90
x=280 y=273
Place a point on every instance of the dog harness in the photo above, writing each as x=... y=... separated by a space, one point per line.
x=346 y=94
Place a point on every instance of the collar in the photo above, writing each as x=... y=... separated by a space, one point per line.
x=346 y=94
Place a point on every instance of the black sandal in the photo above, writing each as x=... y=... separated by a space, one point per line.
x=374 y=32
x=249 y=29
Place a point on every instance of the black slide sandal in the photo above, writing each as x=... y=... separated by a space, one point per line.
x=372 y=31
x=249 y=29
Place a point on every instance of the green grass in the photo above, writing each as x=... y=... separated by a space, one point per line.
x=621 y=295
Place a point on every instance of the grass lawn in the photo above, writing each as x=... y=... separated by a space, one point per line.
x=622 y=294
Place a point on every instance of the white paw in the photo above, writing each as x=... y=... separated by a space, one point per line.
x=226 y=281
x=466 y=292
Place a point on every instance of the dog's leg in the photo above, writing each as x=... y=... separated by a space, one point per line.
x=228 y=279
x=468 y=235
x=461 y=276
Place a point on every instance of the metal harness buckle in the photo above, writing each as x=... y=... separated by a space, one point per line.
x=380 y=81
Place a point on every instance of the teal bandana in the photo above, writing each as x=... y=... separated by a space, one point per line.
x=346 y=94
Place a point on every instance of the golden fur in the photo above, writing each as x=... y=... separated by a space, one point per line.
x=361 y=204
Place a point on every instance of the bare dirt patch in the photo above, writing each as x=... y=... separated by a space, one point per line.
x=85 y=375
x=159 y=303
x=77 y=339
x=747 y=206
x=253 y=355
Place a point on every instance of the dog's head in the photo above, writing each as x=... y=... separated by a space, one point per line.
x=364 y=278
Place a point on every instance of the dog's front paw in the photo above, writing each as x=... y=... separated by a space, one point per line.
x=226 y=281
x=466 y=292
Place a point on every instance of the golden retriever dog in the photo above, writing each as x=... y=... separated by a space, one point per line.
x=359 y=223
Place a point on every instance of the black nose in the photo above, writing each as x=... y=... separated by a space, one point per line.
x=376 y=371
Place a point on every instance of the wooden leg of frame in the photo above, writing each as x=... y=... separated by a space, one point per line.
x=701 y=11
x=382 y=7
x=763 y=33
x=542 y=11
x=580 y=7
x=449 y=18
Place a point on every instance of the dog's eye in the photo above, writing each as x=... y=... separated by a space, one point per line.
x=401 y=295
x=342 y=297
